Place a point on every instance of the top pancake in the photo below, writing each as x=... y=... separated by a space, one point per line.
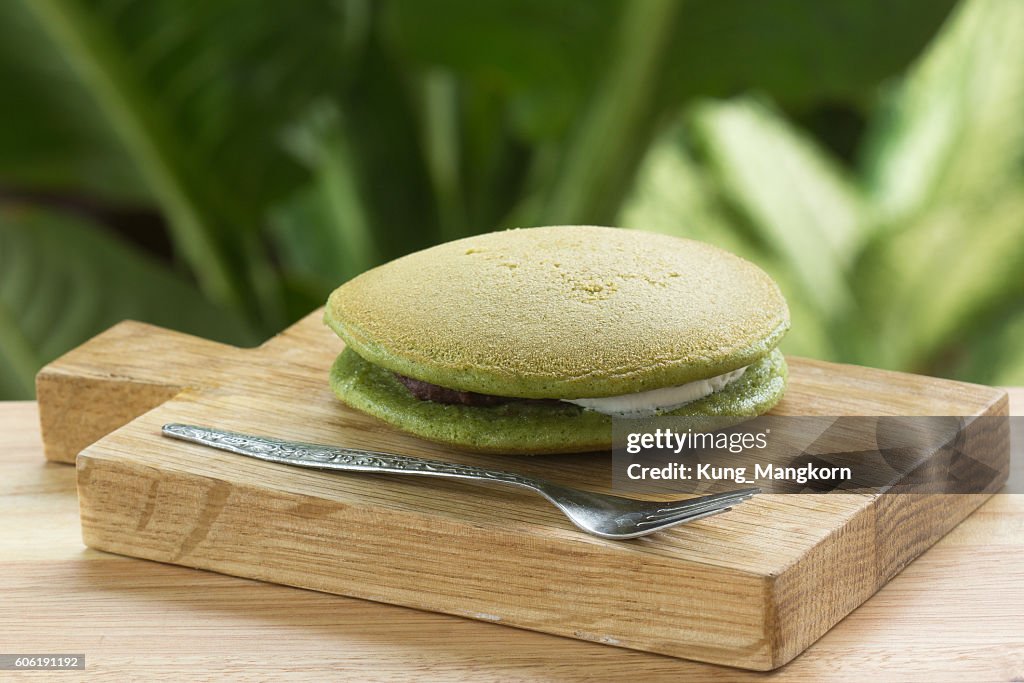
x=561 y=312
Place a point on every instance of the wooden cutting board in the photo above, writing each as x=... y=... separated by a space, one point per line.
x=752 y=588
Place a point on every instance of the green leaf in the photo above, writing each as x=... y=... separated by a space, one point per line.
x=62 y=281
x=387 y=150
x=440 y=123
x=945 y=173
x=798 y=199
x=798 y=51
x=323 y=234
x=1003 y=353
x=322 y=141
x=53 y=138
x=929 y=285
x=369 y=198
x=599 y=81
x=602 y=150
x=196 y=93
x=953 y=127
x=993 y=351
x=675 y=195
x=540 y=54
x=110 y=75
x=224 y=77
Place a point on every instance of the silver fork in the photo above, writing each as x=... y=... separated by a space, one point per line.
x=596 y=513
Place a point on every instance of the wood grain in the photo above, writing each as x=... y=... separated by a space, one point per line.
x=732 y=590
x=952 y=615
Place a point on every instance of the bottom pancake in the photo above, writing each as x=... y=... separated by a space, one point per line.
x=525 y=428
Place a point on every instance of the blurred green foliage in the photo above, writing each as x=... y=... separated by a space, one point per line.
x=869 y=154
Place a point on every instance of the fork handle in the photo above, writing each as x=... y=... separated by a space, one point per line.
x=317 y=456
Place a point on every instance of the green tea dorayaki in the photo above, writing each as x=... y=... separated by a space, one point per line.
x=533 y=340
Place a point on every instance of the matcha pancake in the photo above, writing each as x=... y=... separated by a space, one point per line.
x=532 y=340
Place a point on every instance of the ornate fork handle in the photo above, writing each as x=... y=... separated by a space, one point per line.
x=346 y=459
x=599 y=514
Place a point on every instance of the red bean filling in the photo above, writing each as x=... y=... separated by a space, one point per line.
x=425 y=391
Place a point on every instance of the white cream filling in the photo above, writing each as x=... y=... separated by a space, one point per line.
x=657 y=401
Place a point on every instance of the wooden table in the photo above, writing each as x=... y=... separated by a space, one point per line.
x=956 y=613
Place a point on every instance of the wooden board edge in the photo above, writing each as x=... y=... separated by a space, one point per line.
x=925 y=518
x=806 y=600
x=75 y=411
x=110 y=380
x=182 y=518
